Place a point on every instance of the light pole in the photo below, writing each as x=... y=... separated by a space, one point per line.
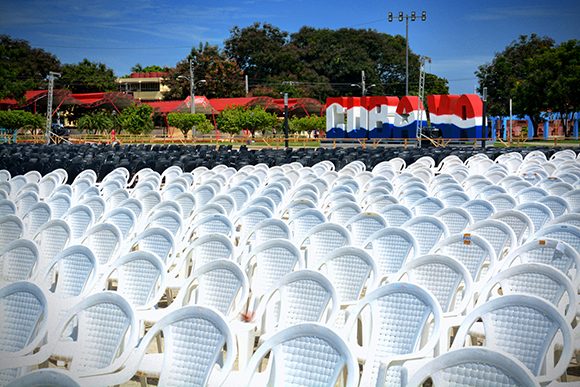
x=363 y=84
x=51 y=76
x=192 y=84
x=286 y=120
x=406 y=17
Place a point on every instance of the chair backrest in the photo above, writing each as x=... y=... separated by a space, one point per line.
x=350 y=269
x=306 y=354
x=427 y=206
x=499 y=235
x=572 y=219
x=18 y=261
x=108 y=331
x=141 y=278
x=247 y=219
x=303 y=296
x=573 y=199
x=427 y=230
x=59 y=205
x=226 y=202
x=167 y=219
x=79 y=218
x=186 y=201
x=220 y=284
x=7 y=207
x=396 y=214
x=212 y=224
x=455 y=218
x=11 y=229
x=134 y=205
x=523 y=326
x=269 y=262
x=321 y=240
x=37 y=215
x=24 y=201
x=390 y=248
x=401 y=314
x=149 y=199
x=342 y=212
x=502 y=201
x=71 y=273
x=104 y=240
x=363 y=225
x=208 y=248
x=479 y=209
x=556 y=204
x=551 y=252
x=155 y=240
x=519 y=222
x=536 y=279
x=50 y=240
x=475 y=366
x=473 y=251
x=301 y=223
x=97 y=204
x=562 y=232
x=23 y=321
x=116 y=198
x=538 y=213
x=123 y=218
x=46 y=377
x=268 y=229
x=454 y=198
x=446 y=278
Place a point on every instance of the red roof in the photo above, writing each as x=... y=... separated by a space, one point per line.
x=221 y=104
x=166 y=106
x=29 y=96
x=88 y=98
x=154 y=74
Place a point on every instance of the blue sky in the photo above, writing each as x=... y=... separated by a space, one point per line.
x=458 y=35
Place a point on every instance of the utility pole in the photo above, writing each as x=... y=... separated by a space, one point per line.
x=511 y=122
x=286 y=120
x=363 y=83
x=191 y=87
x=247 y=85
x=406 y=17
x=421 y=109
x=485 y=131
x=51 y=76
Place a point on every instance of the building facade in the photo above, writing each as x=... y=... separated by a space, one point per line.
x=144 y=86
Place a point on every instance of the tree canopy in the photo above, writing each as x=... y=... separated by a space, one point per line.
x=87 y=77
x=23 y=67
x=187 y=121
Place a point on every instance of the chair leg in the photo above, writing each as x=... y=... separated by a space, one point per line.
x=143 y=380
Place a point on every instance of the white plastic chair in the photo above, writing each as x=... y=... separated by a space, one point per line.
x=454 y=198
x=427 y=231
x=562 y=232
x=134 y=205
x=538 y=213
x=24 y=201
x=307 y=354
x=46 y=377
x=321 y=240
x=499 y=235
x=502 y=201
x=304 y=221
x=36 y=216
x=342 y=212
x=211 y=224
x=427 y=206
x=390 y=248
x=155 y=240
x=455 y=218
x=187 y=203
x=538 y=280
x=50 y=239
x=474 y=252
x=72 y=273
x=106 y=333
x=97 y=204
x=79 y=219
x=551 y=252
x=474 y=366
x=104 y=240
x=524 y=326
x=59 y=205
x=18 y=261
x=226 y=202
x=404 y=323
x=123 y=218
x=557 y=205
x=519 y=222
x=572 y=219
x=7 y=207
x=194 y=338
x=363 y=225
x=396 y=214
x=23 y=324
x=148 y=199
x=167 y=219
x=11 y=229
x=140 y=276
x=479 y=209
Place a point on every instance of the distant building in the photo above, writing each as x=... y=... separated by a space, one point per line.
x=144 y=86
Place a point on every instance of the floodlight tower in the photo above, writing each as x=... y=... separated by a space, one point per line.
x=406 y=17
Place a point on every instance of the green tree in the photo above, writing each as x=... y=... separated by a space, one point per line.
x=149 y=69
x=230 y=120
x=97 y=122
x=187 y=121
x=508 y=75
x=13 y=120
x=256 y=119
x=23 y=67
x=307 y=124
x=136 y=119
x=221 y=76
x=87 y=77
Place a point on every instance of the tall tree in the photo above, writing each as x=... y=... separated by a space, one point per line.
x=505 y=76
x=220 y=77
x=23 y=67
x=87 y=77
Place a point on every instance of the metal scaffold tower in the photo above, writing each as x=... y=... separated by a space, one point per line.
x=51 y=76
x=421 y=110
